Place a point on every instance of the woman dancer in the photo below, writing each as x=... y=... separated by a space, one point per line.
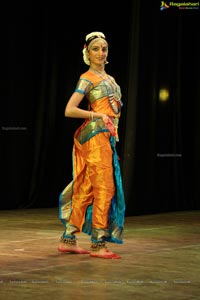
x=93 y=202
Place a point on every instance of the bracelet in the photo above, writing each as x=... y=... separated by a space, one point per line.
x=91 y=115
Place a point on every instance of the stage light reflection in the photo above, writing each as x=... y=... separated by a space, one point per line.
x=164 y=94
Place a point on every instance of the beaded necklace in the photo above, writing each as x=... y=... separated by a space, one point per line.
x=114 y=96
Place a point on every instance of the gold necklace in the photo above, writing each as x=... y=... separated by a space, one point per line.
x=111 y=96
x=99 y=73
x=105 y=76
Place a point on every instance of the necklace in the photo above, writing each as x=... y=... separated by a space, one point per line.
x=113 y=90
x=99 y=73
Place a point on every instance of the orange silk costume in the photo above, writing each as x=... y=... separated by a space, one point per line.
x=93 y=202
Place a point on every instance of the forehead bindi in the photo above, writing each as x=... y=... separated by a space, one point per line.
x=99 y=43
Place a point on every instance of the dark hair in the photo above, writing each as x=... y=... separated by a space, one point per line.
x=92 y=38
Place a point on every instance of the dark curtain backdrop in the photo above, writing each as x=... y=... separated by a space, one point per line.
x=162 y=144
x=148 y=49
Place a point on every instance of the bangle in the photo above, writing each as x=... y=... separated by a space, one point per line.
x=91 y=115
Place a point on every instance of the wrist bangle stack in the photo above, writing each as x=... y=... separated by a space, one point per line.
x=91 y=115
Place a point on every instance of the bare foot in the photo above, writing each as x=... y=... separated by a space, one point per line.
x=104 y=253
x=63 y=247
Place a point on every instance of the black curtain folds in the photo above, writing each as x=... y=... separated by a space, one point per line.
x=163 y=145
x=149 y=50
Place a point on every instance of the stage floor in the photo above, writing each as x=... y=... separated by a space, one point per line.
x=160 y=259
